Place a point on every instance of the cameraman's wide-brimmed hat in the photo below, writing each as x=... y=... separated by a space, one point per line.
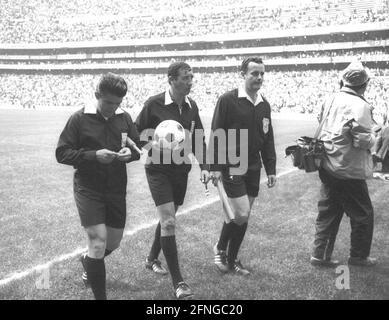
x=355 y=74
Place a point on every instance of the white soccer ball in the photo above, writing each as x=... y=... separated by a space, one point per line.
x=169 y=135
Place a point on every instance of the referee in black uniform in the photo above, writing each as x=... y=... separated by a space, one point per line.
x=94 y=143
x=168 y=181
x=239 y=109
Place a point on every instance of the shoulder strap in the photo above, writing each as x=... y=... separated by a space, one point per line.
x=324 y=118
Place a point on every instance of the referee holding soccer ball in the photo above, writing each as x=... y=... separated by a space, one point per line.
x=168 y=180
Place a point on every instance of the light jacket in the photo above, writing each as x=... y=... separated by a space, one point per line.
x=381 y=146
x=348 y=136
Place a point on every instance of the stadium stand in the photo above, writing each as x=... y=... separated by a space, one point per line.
x=294 y=91
x=364 y=54
x=51 y=55
x=97 y=20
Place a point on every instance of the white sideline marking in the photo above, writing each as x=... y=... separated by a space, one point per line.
x=23 y=274
x=20 y=275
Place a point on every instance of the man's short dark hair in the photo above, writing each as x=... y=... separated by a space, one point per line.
x=245 y=63
x=112 y=84
x=174 y=69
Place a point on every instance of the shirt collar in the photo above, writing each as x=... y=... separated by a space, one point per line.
x=168 y=99
x=349 y=90
x=90 y=109
x=353 y=92
x=243 y=94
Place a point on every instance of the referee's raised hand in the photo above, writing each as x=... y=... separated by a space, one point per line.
x=105 y=156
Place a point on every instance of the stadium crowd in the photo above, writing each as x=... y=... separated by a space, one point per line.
x=42 y=21
x=287 y=91
x=362 y=54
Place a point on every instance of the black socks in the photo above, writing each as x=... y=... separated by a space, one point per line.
x=225 y=236
x=156 y=247
x=95 y=269
x=236 y=239
x=169 y=249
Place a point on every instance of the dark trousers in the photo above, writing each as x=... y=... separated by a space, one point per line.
x=338 y=196
x=385 y=164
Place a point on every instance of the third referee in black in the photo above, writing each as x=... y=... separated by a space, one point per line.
x=243 y=108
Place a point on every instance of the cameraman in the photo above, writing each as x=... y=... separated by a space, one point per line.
x=348 y=132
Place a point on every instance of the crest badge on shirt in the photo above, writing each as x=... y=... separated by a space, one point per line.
x=124 y=139
x=192 y=126
x=265 y=125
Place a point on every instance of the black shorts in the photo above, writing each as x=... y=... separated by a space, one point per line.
x=167 y=185
x=240 y=185
x=100 y=208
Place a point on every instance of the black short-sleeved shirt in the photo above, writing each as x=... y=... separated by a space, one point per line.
x=86 y=132
x=234 y=111
x=159 y=108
